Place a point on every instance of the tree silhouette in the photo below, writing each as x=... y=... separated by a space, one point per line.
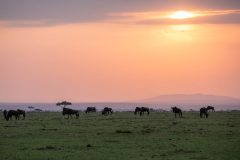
x=63 y=103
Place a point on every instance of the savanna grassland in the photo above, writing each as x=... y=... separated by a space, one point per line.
x=121 y=136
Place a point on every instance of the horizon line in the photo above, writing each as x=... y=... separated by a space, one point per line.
x=129 y=101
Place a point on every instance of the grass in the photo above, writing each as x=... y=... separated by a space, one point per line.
x=121 y=136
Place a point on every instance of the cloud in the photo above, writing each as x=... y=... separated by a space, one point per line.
x=199 y=17
x=32 y=13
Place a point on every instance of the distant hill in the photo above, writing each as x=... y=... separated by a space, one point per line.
x=192 y=99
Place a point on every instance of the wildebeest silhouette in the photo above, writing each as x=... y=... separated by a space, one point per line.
x=204 y=112
x=137 y=110
x=11 y=113
x=141 y=110
x=70 y=112
x=107 y=111
x=90 y=109
x=21 y=112
x=5 y=114
x=16 y=113
x=210 y=108
x=176 y=111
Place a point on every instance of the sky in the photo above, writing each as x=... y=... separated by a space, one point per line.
x=111 y=50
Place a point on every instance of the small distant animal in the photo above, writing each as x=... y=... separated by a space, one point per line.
x=204 y=112
x=16 y=113
x=90 y=109
x=141 y=110
x=21 y=112
x=9 y=114
x=137 y=110
x=210 y=108
x=70 y=112
x=176 y=111
x=107 y=111
x=5 y=112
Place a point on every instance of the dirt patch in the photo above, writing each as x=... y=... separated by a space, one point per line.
x=123 y=131
x=49 y=129
x=112 y=141
x=148 y=130
x=48 y=147
x=183 y=151
x=7 y=126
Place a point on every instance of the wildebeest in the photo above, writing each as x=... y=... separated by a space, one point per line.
x=210 y=108
x=70 y=112
x=203 y=112
x=141 y=110
x=107 y=111
x=16 y=113
x=90 y=109
x=137 y=110
x=176 y=111
x=5 y=114
x=21 y=112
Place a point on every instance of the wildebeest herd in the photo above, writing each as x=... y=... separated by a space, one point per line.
x=204 y=112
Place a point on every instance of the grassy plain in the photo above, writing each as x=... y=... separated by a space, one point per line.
x=121 y=136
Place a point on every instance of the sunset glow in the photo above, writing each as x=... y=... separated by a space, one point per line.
x=181 y=15
x=120 y=79
x=114 y=53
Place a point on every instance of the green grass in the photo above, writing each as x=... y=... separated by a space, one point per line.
x=121 y=136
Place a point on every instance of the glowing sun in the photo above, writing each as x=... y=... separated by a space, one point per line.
x=181 y=15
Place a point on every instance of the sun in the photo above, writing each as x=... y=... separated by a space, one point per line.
x=181 y=15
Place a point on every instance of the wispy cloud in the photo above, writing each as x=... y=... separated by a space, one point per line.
x=34 y=13
x=25 y=23
x=164 y=17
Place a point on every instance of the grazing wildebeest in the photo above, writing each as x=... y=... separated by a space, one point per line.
x=21 y=112
x=143 y=110
x=107 y=111
x=210 y=108
x=90 y=109
x=8 y=114
x=137 y=110
x=203 y=112
x=5 y=114
x=70 y=112
x=176 y=111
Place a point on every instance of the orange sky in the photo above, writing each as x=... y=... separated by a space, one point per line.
x=127 y=56
x=114 y=62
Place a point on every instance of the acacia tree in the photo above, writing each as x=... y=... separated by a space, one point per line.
x=63 y=103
